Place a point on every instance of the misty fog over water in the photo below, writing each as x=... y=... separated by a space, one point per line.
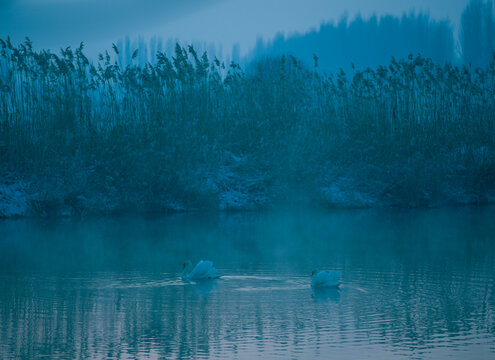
x=416 y=285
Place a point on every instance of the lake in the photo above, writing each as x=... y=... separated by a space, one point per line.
x=416 y=285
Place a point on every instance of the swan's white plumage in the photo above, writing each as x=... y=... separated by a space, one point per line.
x=202 y=270
x=326 y=279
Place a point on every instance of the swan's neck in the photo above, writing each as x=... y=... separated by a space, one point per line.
x=184 y=273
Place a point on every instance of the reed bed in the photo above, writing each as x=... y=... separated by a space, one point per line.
x=188 y=132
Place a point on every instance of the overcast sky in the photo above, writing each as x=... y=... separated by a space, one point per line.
x=57 y=23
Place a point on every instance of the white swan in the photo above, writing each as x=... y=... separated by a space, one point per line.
x=325 y=279
x=202 y=270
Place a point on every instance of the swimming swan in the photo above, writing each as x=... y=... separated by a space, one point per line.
x=325 y=279
x=202 y=270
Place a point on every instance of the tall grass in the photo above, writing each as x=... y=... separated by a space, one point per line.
x=189 y=130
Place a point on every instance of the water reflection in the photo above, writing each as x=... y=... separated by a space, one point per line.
x=417 y=285
x=203 y=287
x=323 y=295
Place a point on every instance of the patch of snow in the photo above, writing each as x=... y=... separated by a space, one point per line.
x=14 y=199
x=338 y=195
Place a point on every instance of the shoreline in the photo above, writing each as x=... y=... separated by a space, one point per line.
x=18 y=202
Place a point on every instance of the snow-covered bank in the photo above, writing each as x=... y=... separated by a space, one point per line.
x=225 y=191
x=15 y=199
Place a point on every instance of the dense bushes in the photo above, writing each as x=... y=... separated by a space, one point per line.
x=187 y=132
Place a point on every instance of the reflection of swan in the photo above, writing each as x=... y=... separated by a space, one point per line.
x=204 y=287
x=323 y=294
x=325 y=279
x=202 y=270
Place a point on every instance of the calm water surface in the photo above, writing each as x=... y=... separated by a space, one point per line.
x=417 y=285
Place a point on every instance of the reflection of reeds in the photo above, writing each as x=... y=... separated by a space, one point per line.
x=412 y=126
